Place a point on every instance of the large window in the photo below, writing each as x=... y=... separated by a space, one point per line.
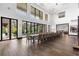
x=46 y=17
x=33 y=11
x=37 y=13
x=44 y=28
x=28 y=27
x=49 y=28
x=22 y=6
x=40 y=28
x=36 y=28
x=32 y=28
x=41 y=15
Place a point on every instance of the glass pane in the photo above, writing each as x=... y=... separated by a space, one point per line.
x=5 y=29
x=24 y=28
x=22 y=6
x=13 y=29
x=28 y=27
x=37 y=13
x=46 y=17
x=41 y=15
x=44 y=28
x=32 y=27
x=48 y=28
x=32 y=10
x=36 y=28
x=40 y=28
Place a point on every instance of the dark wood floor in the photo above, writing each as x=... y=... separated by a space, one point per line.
x=57 y=47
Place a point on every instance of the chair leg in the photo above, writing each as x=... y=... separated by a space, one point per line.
x=38 y=41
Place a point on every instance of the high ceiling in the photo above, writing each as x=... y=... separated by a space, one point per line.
x=52 y=7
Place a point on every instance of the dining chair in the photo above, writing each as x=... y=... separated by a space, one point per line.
x=29 y=39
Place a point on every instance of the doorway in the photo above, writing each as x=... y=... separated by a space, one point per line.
x=9 y=28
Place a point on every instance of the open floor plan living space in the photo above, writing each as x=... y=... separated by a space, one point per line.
x=39 y=29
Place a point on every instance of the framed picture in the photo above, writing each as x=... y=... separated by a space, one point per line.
x=73 y=27
x=61 y=14
x=63 y=27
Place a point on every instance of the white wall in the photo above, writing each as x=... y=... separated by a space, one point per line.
x=8 y=10
x=71 y=13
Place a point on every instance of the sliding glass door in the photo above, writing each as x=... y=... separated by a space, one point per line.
x=5 y=28
x=44 y=28
x=36 y=28
x=33 y=29
x=48 y=28
x=28 y=28
x=40 y=28
x=9 y=28
x=14 y=28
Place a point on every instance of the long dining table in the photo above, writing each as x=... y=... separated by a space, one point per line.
x=44 y=36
